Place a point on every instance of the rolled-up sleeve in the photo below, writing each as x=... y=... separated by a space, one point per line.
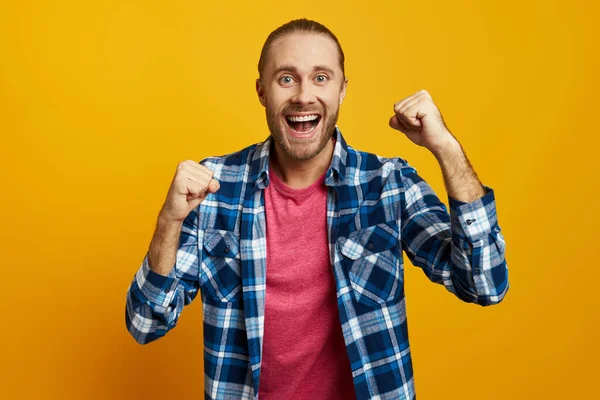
x=462 y=249
x=154 y=301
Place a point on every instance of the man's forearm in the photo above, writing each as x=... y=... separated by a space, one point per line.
x=460 y=179
x=162 y=253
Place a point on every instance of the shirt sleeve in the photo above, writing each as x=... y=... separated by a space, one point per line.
x=462 y=250
x=154 y=301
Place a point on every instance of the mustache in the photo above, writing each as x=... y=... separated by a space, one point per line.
x=289 y=110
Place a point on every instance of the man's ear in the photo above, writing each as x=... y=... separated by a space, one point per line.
x=260 y=90
x=343 y=91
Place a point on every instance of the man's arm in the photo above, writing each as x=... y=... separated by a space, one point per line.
x=168 y=279
x=463 y=250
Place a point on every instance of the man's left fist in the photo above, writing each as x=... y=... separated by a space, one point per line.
x=419 y=119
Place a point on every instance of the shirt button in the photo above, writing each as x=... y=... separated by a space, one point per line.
x=371 y=246
x=226 y=250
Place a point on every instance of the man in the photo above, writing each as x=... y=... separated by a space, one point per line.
x=296 y=243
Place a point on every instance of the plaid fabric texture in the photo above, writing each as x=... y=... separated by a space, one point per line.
x=376 y=209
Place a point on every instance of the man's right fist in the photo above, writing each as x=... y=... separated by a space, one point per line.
x=190 y=186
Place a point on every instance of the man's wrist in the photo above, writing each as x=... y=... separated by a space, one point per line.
x=166 y=224
x=449 y=149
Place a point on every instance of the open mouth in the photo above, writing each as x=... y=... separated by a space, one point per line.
x=303 y=123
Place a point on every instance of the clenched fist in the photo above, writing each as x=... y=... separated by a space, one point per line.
x=190 y=186
x=421 y=121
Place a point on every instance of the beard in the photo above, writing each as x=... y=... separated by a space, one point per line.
x=299 y=149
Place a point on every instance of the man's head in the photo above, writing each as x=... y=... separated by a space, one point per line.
x=301 y=84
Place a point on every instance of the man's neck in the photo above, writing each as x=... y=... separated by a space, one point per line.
x=300 y=174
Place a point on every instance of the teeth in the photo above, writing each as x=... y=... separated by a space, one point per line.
x=303 y=118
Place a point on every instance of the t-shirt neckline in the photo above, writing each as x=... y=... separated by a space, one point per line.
x=293 y=192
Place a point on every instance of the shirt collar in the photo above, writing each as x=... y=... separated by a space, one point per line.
x=259 y=165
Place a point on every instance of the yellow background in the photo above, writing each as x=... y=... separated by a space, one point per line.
x=100 y=100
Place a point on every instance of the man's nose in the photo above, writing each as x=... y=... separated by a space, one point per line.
x=304 y=94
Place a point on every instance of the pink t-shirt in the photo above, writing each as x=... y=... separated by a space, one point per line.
x=304 y=355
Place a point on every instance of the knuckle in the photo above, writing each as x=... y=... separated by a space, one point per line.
x=208 y=171
x=183 y=165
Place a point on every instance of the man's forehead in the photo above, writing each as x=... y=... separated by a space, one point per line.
x=304 y=50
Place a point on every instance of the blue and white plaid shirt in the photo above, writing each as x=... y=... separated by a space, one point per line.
x=376 y=207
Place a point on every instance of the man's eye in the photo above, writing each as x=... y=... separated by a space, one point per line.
x=321 y=78
x=286 y=79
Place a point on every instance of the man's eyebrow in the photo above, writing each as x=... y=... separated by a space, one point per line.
x=284 y=68
x=324 y=68
x=288 y=68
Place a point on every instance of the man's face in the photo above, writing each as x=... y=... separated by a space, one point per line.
x=302 y=87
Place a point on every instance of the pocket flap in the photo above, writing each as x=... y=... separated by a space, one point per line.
x=220 y=243
x=371 y=240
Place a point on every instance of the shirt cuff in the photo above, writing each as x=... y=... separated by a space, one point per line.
x=476 y=219
x=158 y=289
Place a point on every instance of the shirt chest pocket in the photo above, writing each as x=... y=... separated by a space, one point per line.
x=371 y=257
x=221 y=265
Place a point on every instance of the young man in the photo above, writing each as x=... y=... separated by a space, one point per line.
x=296 y=243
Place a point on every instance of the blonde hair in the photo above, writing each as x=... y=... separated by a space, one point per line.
x=298 y=26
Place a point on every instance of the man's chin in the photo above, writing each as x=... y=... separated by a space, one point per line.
x=304 y=149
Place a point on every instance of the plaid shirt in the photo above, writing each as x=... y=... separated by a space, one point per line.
x=376 y=207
